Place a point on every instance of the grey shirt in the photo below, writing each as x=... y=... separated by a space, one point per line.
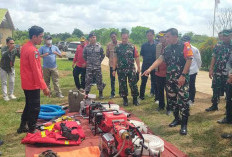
x=93 y=55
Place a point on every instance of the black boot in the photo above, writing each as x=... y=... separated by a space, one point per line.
x=101 y=95
x=22 y=128
x=214 y=107
x=125 y=101
x=135 y=101
x=177 y=120
x=86 y=93
x=31 y=127
x=184 y=122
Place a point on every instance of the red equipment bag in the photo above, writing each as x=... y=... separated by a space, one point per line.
x=55 y=135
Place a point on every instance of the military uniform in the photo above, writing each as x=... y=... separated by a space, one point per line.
x=126 y=53
x=221 y=54
x=93 y=55
x=175 y=61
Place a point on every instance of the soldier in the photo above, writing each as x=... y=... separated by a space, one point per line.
x=124 y=57
x=110 y=54
x=228 y=118
x=93 y=55
x=178 y=58
x=217 y=69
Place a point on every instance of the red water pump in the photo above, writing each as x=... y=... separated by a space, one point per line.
x=103 y=120
x=119 y=142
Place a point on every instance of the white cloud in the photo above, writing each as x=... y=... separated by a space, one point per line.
x=58 y=16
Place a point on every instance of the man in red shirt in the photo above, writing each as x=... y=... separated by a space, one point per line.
x=31 y=80
x=79 y=65
x=161 y=73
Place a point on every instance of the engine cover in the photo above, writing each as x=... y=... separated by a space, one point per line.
x=109 y=118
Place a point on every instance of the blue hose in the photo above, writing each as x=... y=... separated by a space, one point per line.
x=49 y=111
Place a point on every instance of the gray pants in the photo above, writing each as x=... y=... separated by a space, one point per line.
x=90 y=73
x=52 y=73
x=4 y=76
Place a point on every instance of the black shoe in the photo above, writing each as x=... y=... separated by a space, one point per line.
x=112 y=96
x=226 y=135
x=86 y=93
x=22 y=128
x=101 y=95
x=184 y=122
x=135 y=101
x=159 y=109
x=175 y=122
x=141 y=97
x=125 y=101
x=212 y=108
x=224 y=121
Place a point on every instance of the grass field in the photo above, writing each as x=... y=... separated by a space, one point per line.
x=203 y=139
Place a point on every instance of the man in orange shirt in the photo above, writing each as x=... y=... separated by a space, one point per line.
x=31 y=80
x=178 y=58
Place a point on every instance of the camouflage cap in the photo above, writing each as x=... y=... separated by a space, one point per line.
x=230 y=30
x=92 y=34
x=226 y=32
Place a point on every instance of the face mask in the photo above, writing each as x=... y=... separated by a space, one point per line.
x=49 y=42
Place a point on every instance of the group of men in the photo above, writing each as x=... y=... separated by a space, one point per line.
x=167 y=59
x=173 y=64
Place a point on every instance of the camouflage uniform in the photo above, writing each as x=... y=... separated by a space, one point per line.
x=93 y=55
x=125 y=68
x=221 y=53
x=175 y=61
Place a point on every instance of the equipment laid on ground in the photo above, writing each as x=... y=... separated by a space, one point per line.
x=74 y=99
x=48 y=153
x=65 y=132
x=84 y=109
x=49 y=111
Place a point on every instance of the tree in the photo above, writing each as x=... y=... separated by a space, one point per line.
x=138 y=34
x=206 y=52
x=223 y=20
x=78 y=33
x=103 y=34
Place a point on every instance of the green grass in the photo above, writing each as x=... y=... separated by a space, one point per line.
x=203 y=139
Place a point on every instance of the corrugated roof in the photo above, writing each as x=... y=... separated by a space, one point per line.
x=2 y=14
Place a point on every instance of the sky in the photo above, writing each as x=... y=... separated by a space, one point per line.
x=59 y=16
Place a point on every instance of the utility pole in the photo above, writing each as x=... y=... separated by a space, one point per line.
x=216 y=2
x=214 y=16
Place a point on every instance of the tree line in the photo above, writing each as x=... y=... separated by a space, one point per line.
x=137 y=37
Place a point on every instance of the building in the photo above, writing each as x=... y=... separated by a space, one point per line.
x=6 y=26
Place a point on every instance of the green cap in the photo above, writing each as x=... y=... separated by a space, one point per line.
x=226 y=32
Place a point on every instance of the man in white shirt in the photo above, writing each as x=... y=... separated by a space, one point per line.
x=194 y=68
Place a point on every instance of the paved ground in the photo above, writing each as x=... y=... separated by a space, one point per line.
x=203 y=82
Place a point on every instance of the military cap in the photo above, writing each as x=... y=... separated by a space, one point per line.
x=161 y=33
x=226 y=32
x=82 y=39
x=48 y=37
x=186 y=38
x=92 y=34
